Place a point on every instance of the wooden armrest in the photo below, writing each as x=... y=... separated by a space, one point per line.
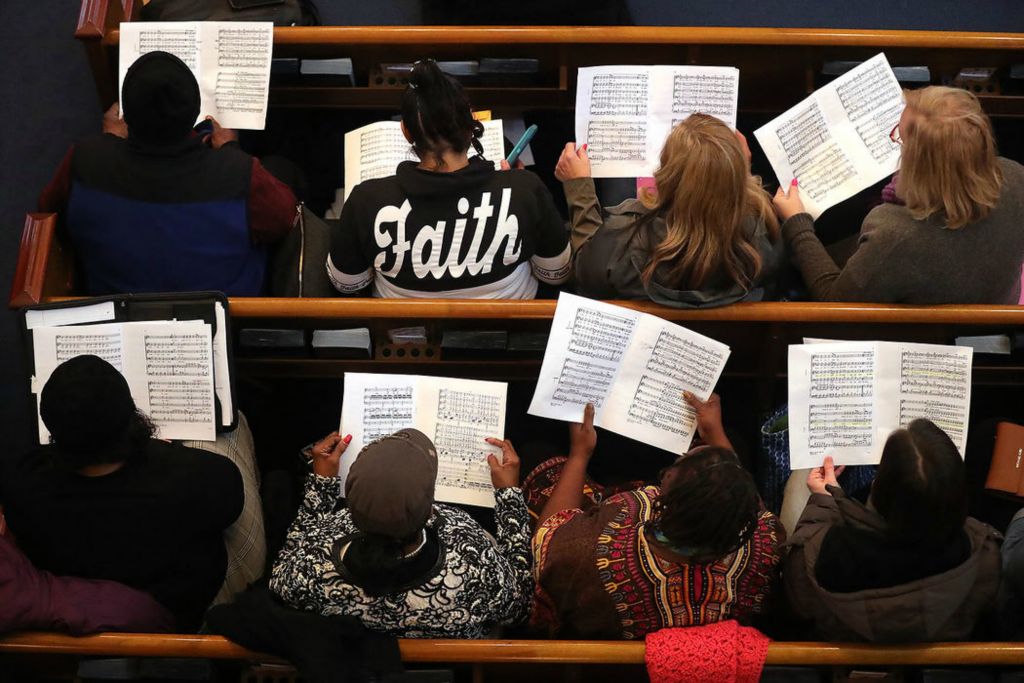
x=44 y=267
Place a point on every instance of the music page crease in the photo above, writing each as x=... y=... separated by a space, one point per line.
x=457 y=415
x=845 y=398
x=836 y=142
x=230 y=60
x=632 y=366
x=625 y=113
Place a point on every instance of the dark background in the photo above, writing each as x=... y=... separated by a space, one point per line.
x=47 y=100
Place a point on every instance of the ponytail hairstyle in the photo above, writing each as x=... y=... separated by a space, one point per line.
x=705 y=193
x=437 y=114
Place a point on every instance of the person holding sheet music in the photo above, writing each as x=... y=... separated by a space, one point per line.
x=953 y=236
x=149 y=206
x=696 y=549
x=908 y=566
x=396 y=560
x=451 y=225
x=705 y=237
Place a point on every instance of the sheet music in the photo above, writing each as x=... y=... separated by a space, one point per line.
x=632 y=366
x=375 y=150
x=168 y=366
x=625 y=113
x=836 y=142
x=456 y=414
x=230 y=60
x=845 y=398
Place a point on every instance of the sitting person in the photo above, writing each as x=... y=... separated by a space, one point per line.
x=908 y=566
x=697 y=549
x=149 y=207
x=706 y=236
x=402 y=564
x=106 y=500
x=450 y=225
x=961 y=212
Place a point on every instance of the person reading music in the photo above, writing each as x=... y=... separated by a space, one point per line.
x=705 y=237
x=450 y=225
x=396 y=560
x=698 y=548
x=106 y=500
x=149 y=206
x=908 y=566
x=957 y=212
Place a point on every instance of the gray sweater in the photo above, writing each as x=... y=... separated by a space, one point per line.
x=903 y=260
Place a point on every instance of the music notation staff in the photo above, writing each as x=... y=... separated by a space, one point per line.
x=815 y=157
x=183 y=400
x=705 y=93
x=861 y=97
x=622 y=94
x=243 y=48
x=464 y=420
x=106 y=346
x=168 y=353
x=934 y=374
x=600 y=336
x=581 y=380
x=950 y=418
x=182 y=42
x=386 y=410
x=834 y=425
x=842 y=375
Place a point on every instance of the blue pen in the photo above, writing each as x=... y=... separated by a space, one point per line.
x=521 y=145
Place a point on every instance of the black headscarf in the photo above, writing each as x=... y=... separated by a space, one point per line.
x=159 y=98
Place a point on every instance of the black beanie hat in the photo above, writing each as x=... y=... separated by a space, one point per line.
x=159 y=98
x=86 y=404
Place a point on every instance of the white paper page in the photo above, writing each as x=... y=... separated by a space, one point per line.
x=230 y=60
x=832 y=404
x=587 y=344
x=72 y=315
x=646 y=403
x=836 y=142
x=458 y=415
x=235 y=71
x=375 y=150
x=932 y=381
x=374 y=406
x=51 y=346
x=221 y=365
x=169 y=366
x=625 y=113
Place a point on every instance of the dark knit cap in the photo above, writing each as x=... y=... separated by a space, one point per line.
x=159 y=98
x=86 y=403
x=390 y=487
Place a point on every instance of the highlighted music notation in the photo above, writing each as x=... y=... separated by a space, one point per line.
x=834 y=425
x=934 y=374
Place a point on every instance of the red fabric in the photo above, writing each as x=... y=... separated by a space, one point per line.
x=271 y=206
x=55 y=196
x=724 y=652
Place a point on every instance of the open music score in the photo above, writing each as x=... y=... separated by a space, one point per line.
x=845 y=398
x=230 y=60
x=632 y=366
x=169 y=367
x=375 y=150
x=457 y=415
x=624 y=113
x=836 y=142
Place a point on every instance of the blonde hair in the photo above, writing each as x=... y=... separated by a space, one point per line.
x=705 y=193
x=949 y=165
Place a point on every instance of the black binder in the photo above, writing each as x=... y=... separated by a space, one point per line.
x=142 y=307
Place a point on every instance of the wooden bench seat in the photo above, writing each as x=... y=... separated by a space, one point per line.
x=520 y=651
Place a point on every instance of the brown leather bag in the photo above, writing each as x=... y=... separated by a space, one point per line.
x=1006 y=472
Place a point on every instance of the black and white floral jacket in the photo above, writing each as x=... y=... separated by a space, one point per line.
x=481 y=583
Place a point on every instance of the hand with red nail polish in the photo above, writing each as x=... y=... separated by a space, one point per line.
x=788 y=204
x=573 y=163
x=327 y=454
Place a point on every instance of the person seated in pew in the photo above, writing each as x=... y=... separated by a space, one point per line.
x=706 y=236
x=107 y=500
x=450 y=226
x=908 y=566
x=149 y=206
x=400 y=563
x=696 y=549
x=955 y=236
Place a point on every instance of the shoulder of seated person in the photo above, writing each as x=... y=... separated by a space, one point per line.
x=629 y=207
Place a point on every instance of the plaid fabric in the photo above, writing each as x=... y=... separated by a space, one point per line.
x=245 y=539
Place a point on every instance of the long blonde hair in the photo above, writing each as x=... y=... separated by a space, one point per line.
x=705 y=193
x=949 y=165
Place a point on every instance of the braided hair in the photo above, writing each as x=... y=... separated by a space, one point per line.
x=710 y=508
x=437 y=114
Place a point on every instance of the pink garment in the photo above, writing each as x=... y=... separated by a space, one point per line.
x=724 y=652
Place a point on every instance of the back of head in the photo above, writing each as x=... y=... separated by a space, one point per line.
x=710 y=508
x=920 y=486
x=705 y=193
x=160 y=99
x=949 y=164
x=437 y=113
x=88 y=409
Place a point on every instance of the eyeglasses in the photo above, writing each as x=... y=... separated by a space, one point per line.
x=894 y=135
